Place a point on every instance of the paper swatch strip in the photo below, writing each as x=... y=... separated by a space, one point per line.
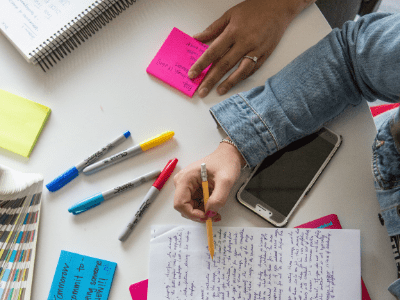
x=20 y=200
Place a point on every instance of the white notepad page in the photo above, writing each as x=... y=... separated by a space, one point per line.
x=254 y=263
x=28 y=23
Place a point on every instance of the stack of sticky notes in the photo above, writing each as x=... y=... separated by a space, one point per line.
x=174 y=59
x=21 y=122
x=82 y=277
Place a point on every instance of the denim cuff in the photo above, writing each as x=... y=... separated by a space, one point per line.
x=245 y=128
x=394 y=288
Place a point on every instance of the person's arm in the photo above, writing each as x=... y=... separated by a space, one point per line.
x=253 y=28
x=361 y=60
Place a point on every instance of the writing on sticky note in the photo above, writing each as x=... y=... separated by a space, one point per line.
x=81 y=277
x=174 y=59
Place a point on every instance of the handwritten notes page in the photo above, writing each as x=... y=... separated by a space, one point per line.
x=174 y=59
x=254 y=263
x=29 y=23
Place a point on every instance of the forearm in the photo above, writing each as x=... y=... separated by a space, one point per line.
x=297 y=6
x=360 y=61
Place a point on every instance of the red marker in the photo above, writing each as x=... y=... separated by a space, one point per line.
x=149 y=198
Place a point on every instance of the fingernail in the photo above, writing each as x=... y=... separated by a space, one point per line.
x=203 y=92
x=192 y=74
x=222 y=91
x=204 y=219
x=211 y=214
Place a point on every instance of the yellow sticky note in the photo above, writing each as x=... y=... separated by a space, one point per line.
x=21 y=122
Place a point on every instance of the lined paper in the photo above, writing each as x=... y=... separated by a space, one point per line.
x=254 y=263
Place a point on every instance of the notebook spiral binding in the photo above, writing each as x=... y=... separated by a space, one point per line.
x=97 y=15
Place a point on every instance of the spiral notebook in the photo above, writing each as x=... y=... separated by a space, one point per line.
x=20 y=200
x=46 y=31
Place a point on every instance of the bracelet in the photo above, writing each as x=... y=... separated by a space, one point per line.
x=234 y=145
x=229 y=142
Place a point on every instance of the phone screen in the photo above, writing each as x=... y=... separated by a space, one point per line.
x=282 y=177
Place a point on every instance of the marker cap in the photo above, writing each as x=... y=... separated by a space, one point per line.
x=165 y=174
x=127 y=133
x=62 y=180
x=86 y=204
x=156 y=140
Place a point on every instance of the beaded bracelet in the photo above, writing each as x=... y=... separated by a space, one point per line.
x=233 y=144
x=229 y=142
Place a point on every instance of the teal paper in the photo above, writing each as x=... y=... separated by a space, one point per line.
x=81 y=277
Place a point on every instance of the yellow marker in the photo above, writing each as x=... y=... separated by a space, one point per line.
x=135 y=150
x=206 y=195
x=156 y=140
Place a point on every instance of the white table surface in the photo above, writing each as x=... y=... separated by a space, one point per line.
x=102 y=89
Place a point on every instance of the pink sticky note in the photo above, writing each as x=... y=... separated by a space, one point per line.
x=139 y=290
x=174 y=59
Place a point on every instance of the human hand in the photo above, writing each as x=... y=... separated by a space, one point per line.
x=223 y=169
x=252 y=28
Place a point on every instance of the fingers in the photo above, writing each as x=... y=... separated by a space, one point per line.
x=183 y=202
x=218 y=197
x=219 y=69
x=212 y=31
x=217 y=49
x=245 y=69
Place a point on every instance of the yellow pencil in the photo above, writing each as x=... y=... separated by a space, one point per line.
x=206 y=195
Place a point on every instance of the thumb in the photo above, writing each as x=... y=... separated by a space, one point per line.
x=218 y=197
x=212 y=31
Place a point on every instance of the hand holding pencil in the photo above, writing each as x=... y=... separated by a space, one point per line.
x=223 y=169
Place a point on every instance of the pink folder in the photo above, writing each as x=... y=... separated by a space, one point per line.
x=174 y=59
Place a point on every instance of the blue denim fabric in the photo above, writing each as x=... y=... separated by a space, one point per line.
x=386 y=170
x=360 y=61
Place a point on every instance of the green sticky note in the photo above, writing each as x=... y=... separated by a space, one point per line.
x=21 y=122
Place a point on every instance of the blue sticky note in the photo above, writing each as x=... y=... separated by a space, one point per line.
x=82 y=277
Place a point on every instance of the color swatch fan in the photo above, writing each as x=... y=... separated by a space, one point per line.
x=20 y=195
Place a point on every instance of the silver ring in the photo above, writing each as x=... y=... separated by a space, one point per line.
x=254 y=58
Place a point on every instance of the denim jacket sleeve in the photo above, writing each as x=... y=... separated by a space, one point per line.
x=362 y=60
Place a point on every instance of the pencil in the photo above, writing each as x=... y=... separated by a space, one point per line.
x=206 y=195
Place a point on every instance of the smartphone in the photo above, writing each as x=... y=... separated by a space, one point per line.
x=278 y=184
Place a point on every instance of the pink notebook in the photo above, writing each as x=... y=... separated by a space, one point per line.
x=174 y=59
x=332 y=222
x=139 y=290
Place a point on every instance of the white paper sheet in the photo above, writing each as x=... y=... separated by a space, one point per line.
x=254 y=263
x=29 y=24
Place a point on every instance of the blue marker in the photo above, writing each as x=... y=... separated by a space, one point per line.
x=97 y=199
x=72 y=173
